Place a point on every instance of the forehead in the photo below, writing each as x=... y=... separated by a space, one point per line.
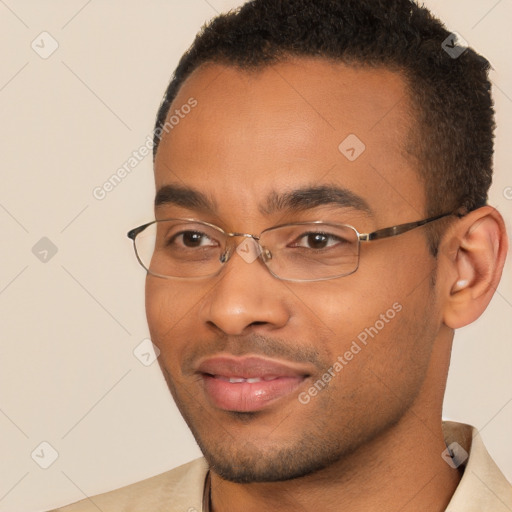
x=296 y=123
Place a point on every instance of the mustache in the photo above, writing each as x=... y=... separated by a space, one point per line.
x=253 y=344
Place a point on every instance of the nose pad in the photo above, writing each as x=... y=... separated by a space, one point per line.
x=266 y=255
x=225 y=255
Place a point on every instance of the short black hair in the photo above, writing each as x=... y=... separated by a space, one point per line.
x=450 y=90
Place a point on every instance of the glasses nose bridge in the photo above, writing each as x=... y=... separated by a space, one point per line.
x=231 y=244
x=231 y=239
x=245 y=235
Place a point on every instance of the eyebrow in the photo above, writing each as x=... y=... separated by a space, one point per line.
x=311 y=197
x=186 y=197
x=300 y=199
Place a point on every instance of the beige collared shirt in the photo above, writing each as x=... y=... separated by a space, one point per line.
x=483 y=488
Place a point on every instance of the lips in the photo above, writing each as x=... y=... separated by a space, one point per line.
x=250 y=383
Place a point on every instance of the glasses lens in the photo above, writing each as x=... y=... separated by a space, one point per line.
x=311 y=251
x=180 y=249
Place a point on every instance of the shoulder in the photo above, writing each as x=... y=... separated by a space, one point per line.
x=179 y=489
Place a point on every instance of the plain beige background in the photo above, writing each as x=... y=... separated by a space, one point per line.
x=69 y=325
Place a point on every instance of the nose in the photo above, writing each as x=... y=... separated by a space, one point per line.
x=245 y=296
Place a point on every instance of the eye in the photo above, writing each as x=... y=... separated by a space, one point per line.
x=317 y=240
x=192 y=239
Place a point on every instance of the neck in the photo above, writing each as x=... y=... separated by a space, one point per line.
x=401 y=470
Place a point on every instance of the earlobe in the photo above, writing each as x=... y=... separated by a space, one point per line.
x=476 y=269
x=460 y=285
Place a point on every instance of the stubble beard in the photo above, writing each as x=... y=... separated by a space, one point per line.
x=309 y=452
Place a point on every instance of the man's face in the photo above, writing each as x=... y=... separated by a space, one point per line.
x=245 y=354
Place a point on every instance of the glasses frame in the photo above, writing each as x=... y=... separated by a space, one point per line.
x=265 y=255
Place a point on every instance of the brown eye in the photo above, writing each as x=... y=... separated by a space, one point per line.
x=192 y=239
x=317 y=240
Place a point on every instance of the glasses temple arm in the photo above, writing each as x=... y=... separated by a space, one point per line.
x=402 y=228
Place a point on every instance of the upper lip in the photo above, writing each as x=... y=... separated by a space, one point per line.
x=250 y=367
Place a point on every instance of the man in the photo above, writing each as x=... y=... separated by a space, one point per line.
x=321 y=231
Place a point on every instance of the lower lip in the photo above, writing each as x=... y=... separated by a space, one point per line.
x=248 y=396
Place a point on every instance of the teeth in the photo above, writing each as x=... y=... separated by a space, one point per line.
x=251 y=380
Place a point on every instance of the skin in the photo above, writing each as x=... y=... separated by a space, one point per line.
x=372 y=439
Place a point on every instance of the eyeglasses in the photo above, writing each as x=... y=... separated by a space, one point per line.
x=301 y=251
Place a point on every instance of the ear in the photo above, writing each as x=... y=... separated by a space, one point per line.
x=473 y=255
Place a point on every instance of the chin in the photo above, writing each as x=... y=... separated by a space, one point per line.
x=245 y=462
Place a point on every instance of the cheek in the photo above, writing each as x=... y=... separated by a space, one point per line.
x=379 y=362
x=157 y=306
x=377 y=316
x=169 y=307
